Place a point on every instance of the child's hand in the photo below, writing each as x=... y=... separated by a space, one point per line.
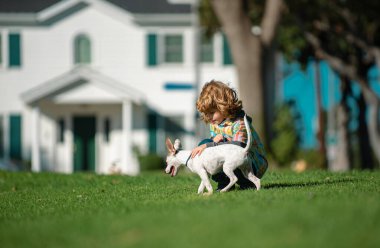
x=218 y=138
x=198 y=150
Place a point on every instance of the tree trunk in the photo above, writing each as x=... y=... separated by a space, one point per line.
x=270 y=77
x=366 y=161
x=343 y=159
x=237 y=27
x=373 y=102
x=321 y=120
x=373 y=126
x=247 y=49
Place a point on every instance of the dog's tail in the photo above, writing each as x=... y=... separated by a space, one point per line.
x=249 y=134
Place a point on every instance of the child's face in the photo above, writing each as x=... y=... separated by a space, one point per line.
x=217 y=118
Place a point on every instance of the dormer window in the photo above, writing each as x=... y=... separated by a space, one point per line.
x=82 y=49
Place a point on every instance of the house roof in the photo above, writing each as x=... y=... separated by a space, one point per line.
x=133 y=6
x=78 y=76
x=152 y=6
x=25 y=6
x=48 y=12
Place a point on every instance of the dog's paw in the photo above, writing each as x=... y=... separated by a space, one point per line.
x=207 y=193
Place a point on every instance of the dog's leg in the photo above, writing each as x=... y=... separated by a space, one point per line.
x=231 y=175
x=254 y=179
x=201 y=188
x=205 y=181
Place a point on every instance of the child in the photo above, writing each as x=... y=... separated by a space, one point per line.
x=220 y=107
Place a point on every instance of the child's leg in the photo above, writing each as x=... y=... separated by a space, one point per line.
x=243 y=182
x=221 y=179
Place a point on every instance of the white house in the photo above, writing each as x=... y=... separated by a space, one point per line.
x=84 y=83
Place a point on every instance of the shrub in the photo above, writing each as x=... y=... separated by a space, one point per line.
x=151 y=161
x=285 y=144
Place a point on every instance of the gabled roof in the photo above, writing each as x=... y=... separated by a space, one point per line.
x=133 y=6
x=78 y=76
x=48 y=12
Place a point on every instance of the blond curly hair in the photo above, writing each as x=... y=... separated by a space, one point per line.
x=217 y=96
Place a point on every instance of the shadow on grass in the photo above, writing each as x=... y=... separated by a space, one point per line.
x=308 y=184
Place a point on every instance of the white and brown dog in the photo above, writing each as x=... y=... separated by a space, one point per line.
x=227 y=157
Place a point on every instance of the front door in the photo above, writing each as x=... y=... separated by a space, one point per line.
x=84 y=143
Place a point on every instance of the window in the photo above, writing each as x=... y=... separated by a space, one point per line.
x=107 y=129
x=165 y=48
x=82 y=50
x=61 y=130
x=173 y=45
x=207 y=49
x=14 y=45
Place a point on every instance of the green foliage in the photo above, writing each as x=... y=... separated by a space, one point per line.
x=255 y=10
x=285 y=144
x=309 y=209
x=151 y=161
x=208 y=19
x=291 y=42
x=210 y=23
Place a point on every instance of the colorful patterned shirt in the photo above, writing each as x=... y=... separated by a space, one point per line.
x=235 y=130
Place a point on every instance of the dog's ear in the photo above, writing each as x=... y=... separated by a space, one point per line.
x=177 y=144
x=169 y=146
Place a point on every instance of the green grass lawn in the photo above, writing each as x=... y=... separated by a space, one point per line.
x=311 y=209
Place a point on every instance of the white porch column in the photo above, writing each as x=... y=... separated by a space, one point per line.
x=35 y=130
x=129 y=163
x=160 y=124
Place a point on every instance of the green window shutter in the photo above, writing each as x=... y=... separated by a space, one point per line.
x=151 y=49
x=14 y=50
x=227 y=58
x=15 y=136
x=82 y=50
